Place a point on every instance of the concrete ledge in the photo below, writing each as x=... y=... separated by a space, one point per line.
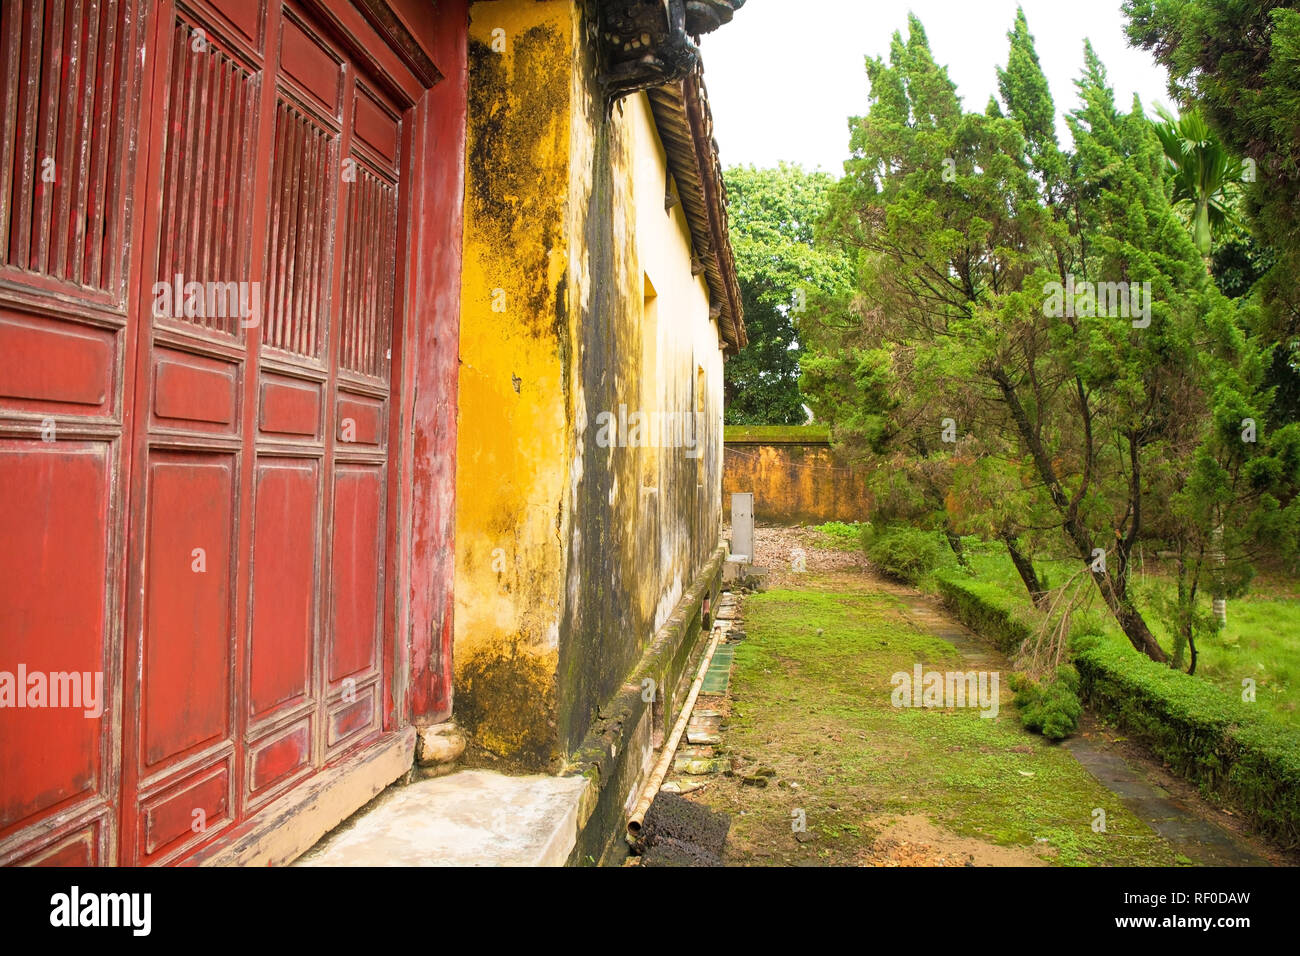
x=469 y=818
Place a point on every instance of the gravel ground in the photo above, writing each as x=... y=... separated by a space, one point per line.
x=777 y=549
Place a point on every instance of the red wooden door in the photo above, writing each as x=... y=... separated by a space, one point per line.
x=260 y=468
x=218 y=511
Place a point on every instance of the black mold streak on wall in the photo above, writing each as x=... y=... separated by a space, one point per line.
x=601 y=633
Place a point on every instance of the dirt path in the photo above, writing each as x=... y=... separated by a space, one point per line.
x=827 y=770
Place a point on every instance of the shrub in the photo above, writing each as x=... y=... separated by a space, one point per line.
x=1206 y=734
x=903 y=553
x=1050 y=708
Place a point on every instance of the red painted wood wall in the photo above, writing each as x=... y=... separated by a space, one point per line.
x=240 y=517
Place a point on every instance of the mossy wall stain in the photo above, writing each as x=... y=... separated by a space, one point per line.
x=644 y=520
x=498 y=699
x=601 y=627
x=516 y=168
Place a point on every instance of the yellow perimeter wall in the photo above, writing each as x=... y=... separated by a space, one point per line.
x=571 y=546
x=794 y=474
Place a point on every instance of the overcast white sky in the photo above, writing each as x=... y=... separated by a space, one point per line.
x=785 y=75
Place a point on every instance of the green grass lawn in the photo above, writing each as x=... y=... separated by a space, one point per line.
x=811 y=698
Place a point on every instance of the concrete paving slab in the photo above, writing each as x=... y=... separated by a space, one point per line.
x=468 y=818
x=1201 y=840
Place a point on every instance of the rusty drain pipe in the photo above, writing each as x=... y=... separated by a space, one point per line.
x=670 y=747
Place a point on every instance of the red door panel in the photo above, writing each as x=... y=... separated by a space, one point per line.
x=170 y=816
x=55 y=531
x=355 y=582
x=284 y=582
x=55 y=365
x=82 y=848
x=278 y=757
x=188 y=627
x=70 y=91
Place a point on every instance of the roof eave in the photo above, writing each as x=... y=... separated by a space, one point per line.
x=685 y=125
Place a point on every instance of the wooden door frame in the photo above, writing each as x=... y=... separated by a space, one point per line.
x=433 y=364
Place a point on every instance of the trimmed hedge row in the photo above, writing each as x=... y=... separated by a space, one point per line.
x=986 y=609
x=1206 y=734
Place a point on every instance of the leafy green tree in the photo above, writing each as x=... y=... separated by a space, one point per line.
x=1238 y=63
x=772 y=212
x=967 y=230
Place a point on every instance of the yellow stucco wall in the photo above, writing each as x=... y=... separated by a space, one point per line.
x=685 y=343
x=513 y=436
x=569 y=554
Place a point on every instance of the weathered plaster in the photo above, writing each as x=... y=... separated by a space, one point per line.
x=513 y=436
x=645 y=520
x=565 y=212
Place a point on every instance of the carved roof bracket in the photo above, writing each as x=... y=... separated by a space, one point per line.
x=647 y=43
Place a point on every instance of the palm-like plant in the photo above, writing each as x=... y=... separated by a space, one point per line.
x=1205 y=177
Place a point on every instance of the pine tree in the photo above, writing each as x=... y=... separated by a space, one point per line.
x=1092 y=410
x=1028 y=98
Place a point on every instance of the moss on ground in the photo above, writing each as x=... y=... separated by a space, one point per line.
x=810 y=700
